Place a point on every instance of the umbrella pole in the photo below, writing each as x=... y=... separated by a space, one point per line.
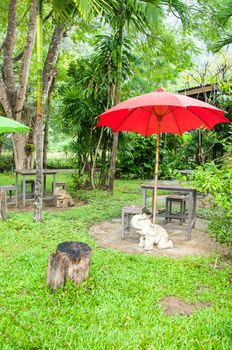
x=156 y=171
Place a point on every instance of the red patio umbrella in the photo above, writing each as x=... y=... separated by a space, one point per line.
x=158 y=112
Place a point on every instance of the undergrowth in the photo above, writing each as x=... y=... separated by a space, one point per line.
x=118 y=307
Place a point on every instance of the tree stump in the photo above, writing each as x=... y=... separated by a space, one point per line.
x=71 y=260
x=3 y=205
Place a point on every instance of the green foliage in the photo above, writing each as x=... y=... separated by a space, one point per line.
x=119 y=305
x=61 y=163
x=217 y=182
x=6 y=163
x=136 y=156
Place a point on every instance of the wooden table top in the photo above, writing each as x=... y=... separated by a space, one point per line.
x=33 y=172
x=169 y=185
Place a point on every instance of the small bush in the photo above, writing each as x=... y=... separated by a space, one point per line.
x=6 y=163
x=62 y=163
x=218 y=182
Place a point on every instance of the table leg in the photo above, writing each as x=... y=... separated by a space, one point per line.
x=190 y=216
x=194 y=206
x=16 y=191
x=152 y=207
x=144 y=197
x=24 y=191
x=54 y=185
x=44 y=185
x=123 y=225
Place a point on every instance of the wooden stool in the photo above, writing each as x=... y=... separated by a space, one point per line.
x=127 y=212
x=59 y=184
x=11 y=188
x=31 y=183
x=169 y=213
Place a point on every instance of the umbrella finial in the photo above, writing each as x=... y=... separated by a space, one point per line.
x=160 y=89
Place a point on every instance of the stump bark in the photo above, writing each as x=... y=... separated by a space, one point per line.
x=3 y=205
x=71 y=260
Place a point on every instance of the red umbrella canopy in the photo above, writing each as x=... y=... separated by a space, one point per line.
x=161 y=111
x=177 y=114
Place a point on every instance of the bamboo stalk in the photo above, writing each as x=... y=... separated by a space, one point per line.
x=156 y=171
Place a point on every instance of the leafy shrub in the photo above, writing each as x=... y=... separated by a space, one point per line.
x=217 y=182
x=6 y=163
x=136 y=156
x=61 y=163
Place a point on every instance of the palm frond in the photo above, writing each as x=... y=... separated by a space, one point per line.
x=64 y=10
x=225 y=40
x=89 y=7
x=179 y=9
x=225 y=12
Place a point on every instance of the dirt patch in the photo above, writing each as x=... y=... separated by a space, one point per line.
x=175 y=306
x=108 y=234
x=49 y=206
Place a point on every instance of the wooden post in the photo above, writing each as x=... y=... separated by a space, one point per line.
x=3 y=205
x=159 y=118
x=71 y=260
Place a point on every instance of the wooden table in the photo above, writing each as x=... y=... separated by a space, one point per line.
x=174 y=186
x=26 y=173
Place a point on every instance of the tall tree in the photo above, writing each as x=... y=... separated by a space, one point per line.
x=63 y=11
x=17 y=63
x=13 y=83
x=45 y=76
x=144 y=15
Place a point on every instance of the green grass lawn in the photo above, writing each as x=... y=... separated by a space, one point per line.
x=118 y=307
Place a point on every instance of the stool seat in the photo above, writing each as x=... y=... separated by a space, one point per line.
x=181 y=200
x=59 y=184
x=127 y=212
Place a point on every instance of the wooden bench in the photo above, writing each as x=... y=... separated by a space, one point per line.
x=127 y=212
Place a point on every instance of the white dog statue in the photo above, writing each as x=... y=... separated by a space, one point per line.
x=150 y=234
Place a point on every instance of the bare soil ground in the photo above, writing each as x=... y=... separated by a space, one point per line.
x=173 y=305
x=107 y=234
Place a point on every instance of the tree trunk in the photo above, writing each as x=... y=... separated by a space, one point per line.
x=38 y=205
x=71 y=260
x=12 y=95
x=113 y=162
x=118 y=93
x=19 y=143
x=95 y=158
x=45 y=144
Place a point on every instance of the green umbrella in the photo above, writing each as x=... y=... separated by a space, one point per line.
x=9 y=125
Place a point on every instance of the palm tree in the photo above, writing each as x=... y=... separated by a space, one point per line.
x=89 y=92
x=144 y=15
